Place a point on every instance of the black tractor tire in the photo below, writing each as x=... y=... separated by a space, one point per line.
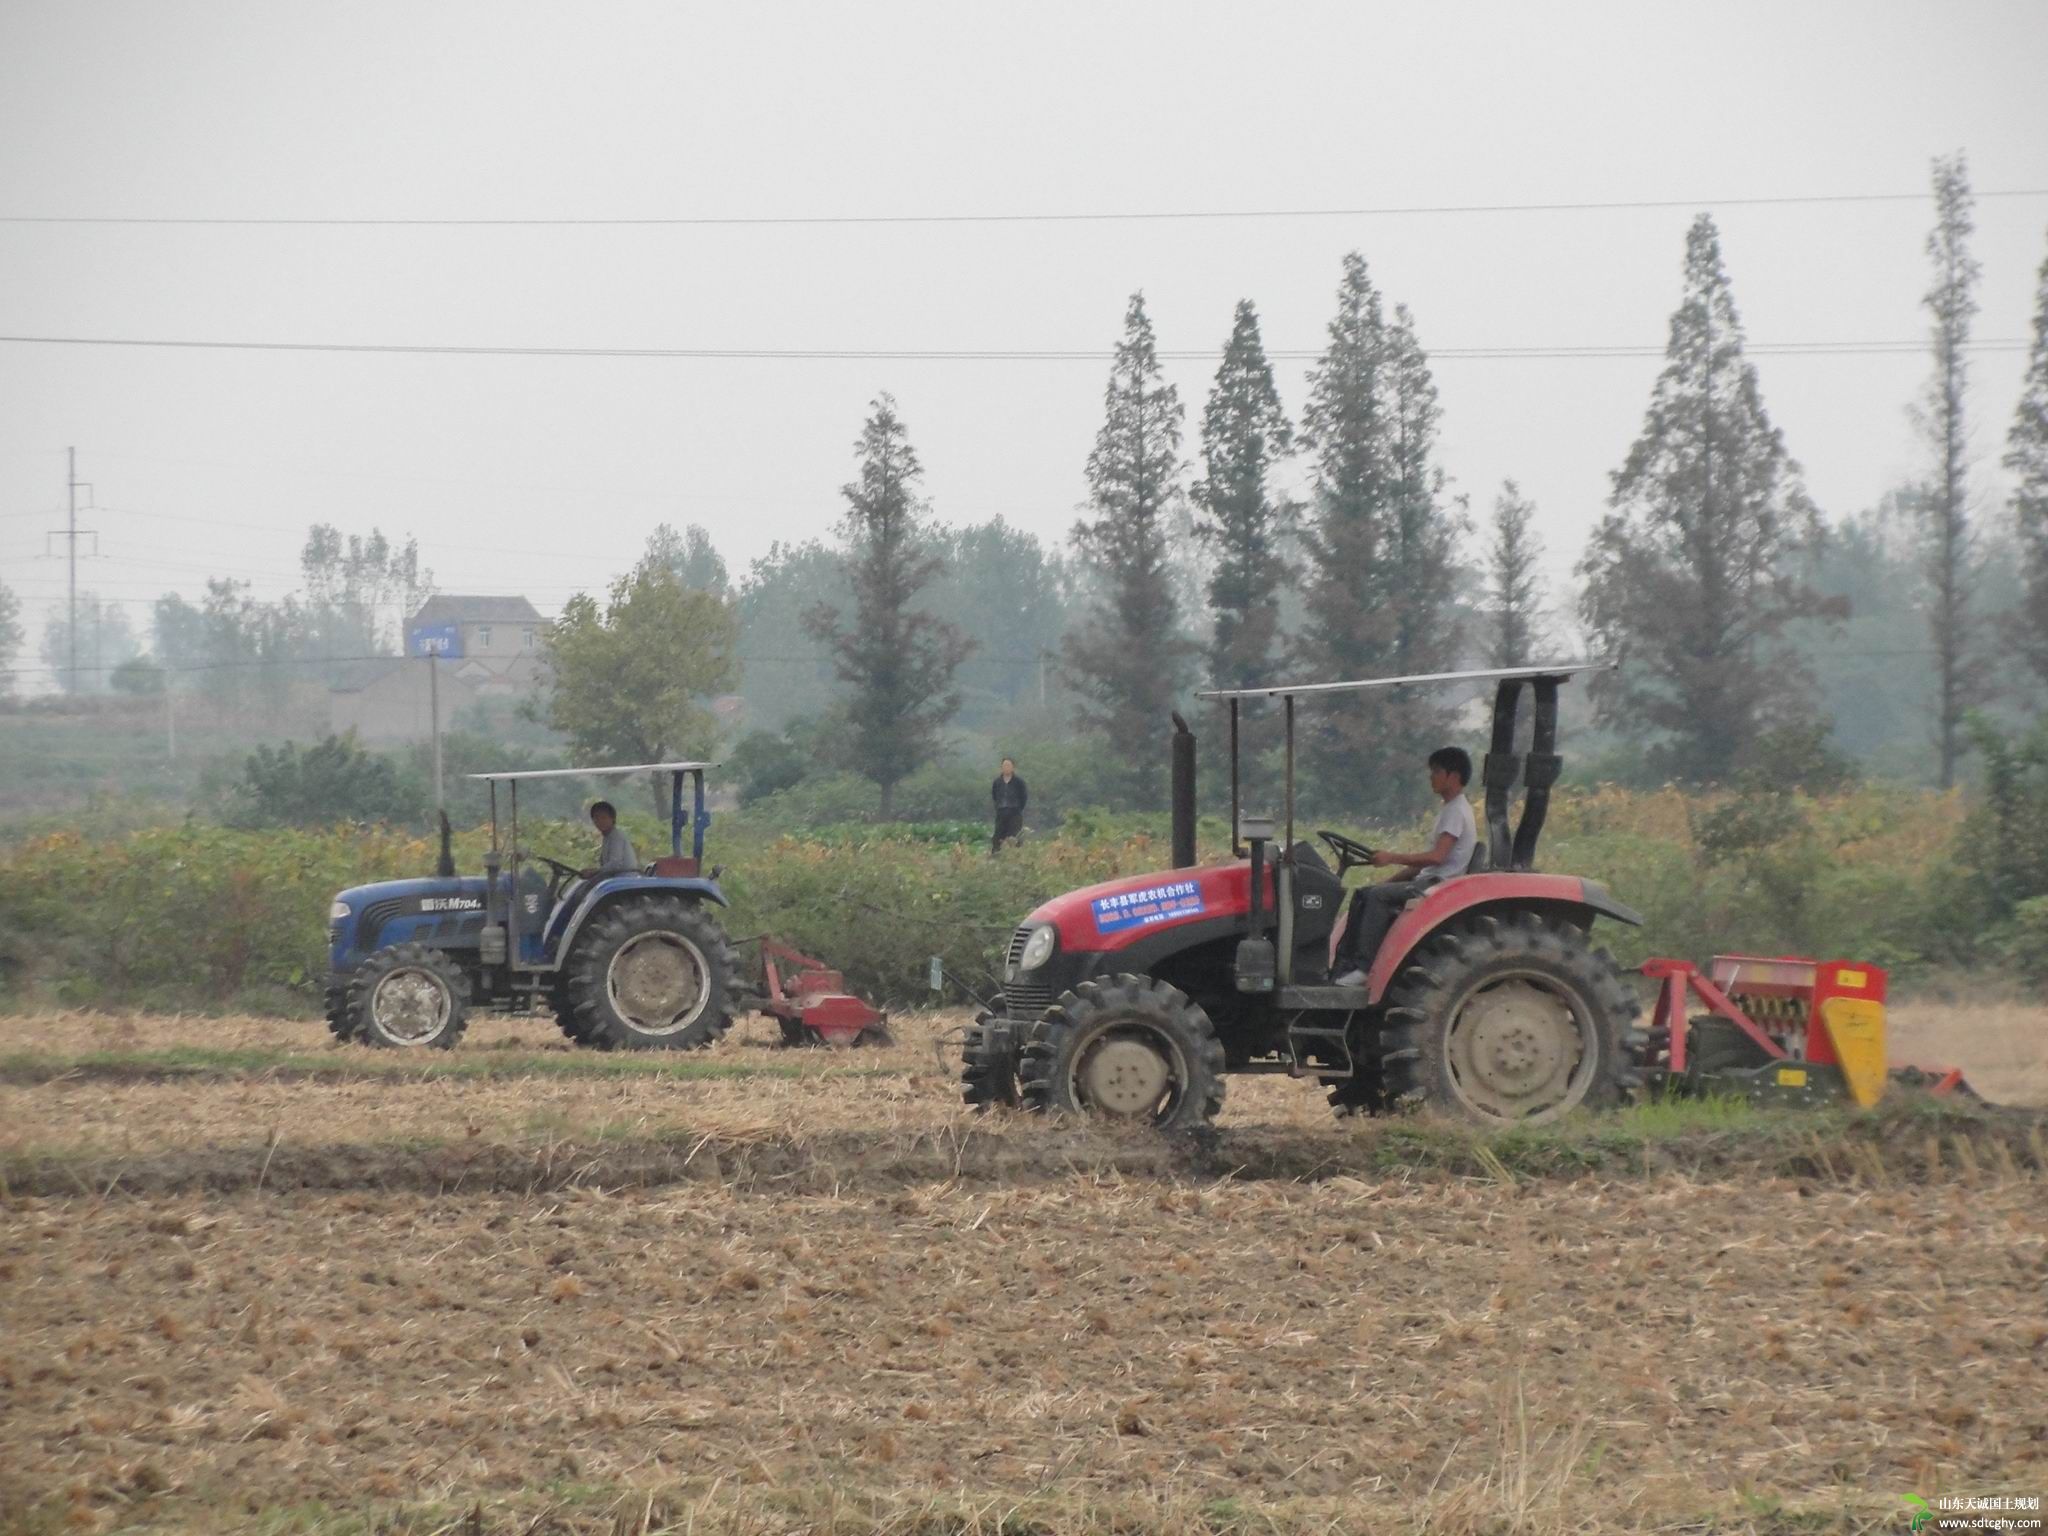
x=564 y=1010
x=408 y=997
x=1125 y=1047
x=1510 y=1020
x=340 y=1022
x=989 y=1061
x=676 y=996
x=1364 y=1093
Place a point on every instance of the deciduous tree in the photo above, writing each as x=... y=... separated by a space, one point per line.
x=628 y=681
x=786 y=672
x=359 y=591
x=1688 y=579
x=1008 y=594
x=692 y=556
x=105 y=640
x=896 y=656
x=10 y=637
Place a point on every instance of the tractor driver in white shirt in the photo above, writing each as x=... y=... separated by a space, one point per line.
x=1455 y=835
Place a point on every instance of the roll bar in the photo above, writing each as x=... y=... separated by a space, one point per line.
x=1503 y=765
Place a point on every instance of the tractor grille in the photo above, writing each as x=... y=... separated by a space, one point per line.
x=374 y=917
x=1026 y=1002
x=1025 y=999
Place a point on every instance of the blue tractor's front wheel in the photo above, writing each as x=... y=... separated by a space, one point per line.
x=407 y=997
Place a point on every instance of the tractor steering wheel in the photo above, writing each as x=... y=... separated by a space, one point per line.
x=561 y=874
x=1349 y=850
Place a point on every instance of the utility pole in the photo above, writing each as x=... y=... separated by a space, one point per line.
x=71 y=537
x=434 y=703
x=70 y=534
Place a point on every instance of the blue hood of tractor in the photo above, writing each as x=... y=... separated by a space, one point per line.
x=448 y=910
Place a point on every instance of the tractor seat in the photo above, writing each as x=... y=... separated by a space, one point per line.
x=673 y=867
x=1481 y=863
x=1307 y=855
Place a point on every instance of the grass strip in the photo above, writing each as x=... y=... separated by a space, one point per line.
x=1920 y=1143
x=27 y=1068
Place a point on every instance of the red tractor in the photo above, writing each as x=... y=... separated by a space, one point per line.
x=1488 y=998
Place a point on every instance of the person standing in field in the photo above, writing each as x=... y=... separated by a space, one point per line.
x=1010 y=795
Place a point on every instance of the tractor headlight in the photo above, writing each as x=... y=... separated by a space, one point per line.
x=1037 y=948
x=338 y=913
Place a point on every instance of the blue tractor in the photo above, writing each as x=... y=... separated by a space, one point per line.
x=634 y=961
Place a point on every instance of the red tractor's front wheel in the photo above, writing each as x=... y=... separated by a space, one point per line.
x=1125 y=1048
x=988 y=1059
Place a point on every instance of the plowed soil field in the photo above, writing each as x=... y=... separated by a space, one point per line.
x=252 y=1282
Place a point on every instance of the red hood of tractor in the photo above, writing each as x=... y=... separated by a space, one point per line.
x=1112 y=914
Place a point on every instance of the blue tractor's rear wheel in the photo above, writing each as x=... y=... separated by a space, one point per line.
x=651 y=974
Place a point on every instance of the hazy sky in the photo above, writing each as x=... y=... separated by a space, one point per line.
x=544 y=475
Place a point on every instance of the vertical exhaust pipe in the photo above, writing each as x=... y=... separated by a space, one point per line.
x=1183 y=794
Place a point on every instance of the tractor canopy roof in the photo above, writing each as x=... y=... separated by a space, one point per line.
x=617 y=770
x=694 y=815
x=1502 y=761
x=1558 y=671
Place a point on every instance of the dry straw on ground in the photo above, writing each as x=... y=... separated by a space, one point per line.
x=848 y=1306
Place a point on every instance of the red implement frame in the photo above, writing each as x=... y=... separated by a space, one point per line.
x=1674 y=979
x=810 y=999
x=1788 y=976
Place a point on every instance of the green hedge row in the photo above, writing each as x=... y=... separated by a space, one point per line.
x=198 y=916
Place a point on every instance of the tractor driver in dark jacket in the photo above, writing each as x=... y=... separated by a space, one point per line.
x=1009 y=794
x=1455 y=835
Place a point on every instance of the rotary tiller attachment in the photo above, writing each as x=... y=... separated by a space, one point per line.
x=810 y=1001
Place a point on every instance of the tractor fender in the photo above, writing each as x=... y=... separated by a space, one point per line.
x=1579 y=900
x=605 y=892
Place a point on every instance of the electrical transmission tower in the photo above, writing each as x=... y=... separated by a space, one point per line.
x=71 y=533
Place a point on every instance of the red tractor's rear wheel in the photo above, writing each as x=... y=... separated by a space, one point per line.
x=1125 y=1048
x=1511 y=1020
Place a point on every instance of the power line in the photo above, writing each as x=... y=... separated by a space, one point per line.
x=181 y=668
x=728 y=221
x=1012 y=659
x=998 y=355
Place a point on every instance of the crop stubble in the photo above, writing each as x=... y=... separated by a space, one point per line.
x=1653 y=1346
